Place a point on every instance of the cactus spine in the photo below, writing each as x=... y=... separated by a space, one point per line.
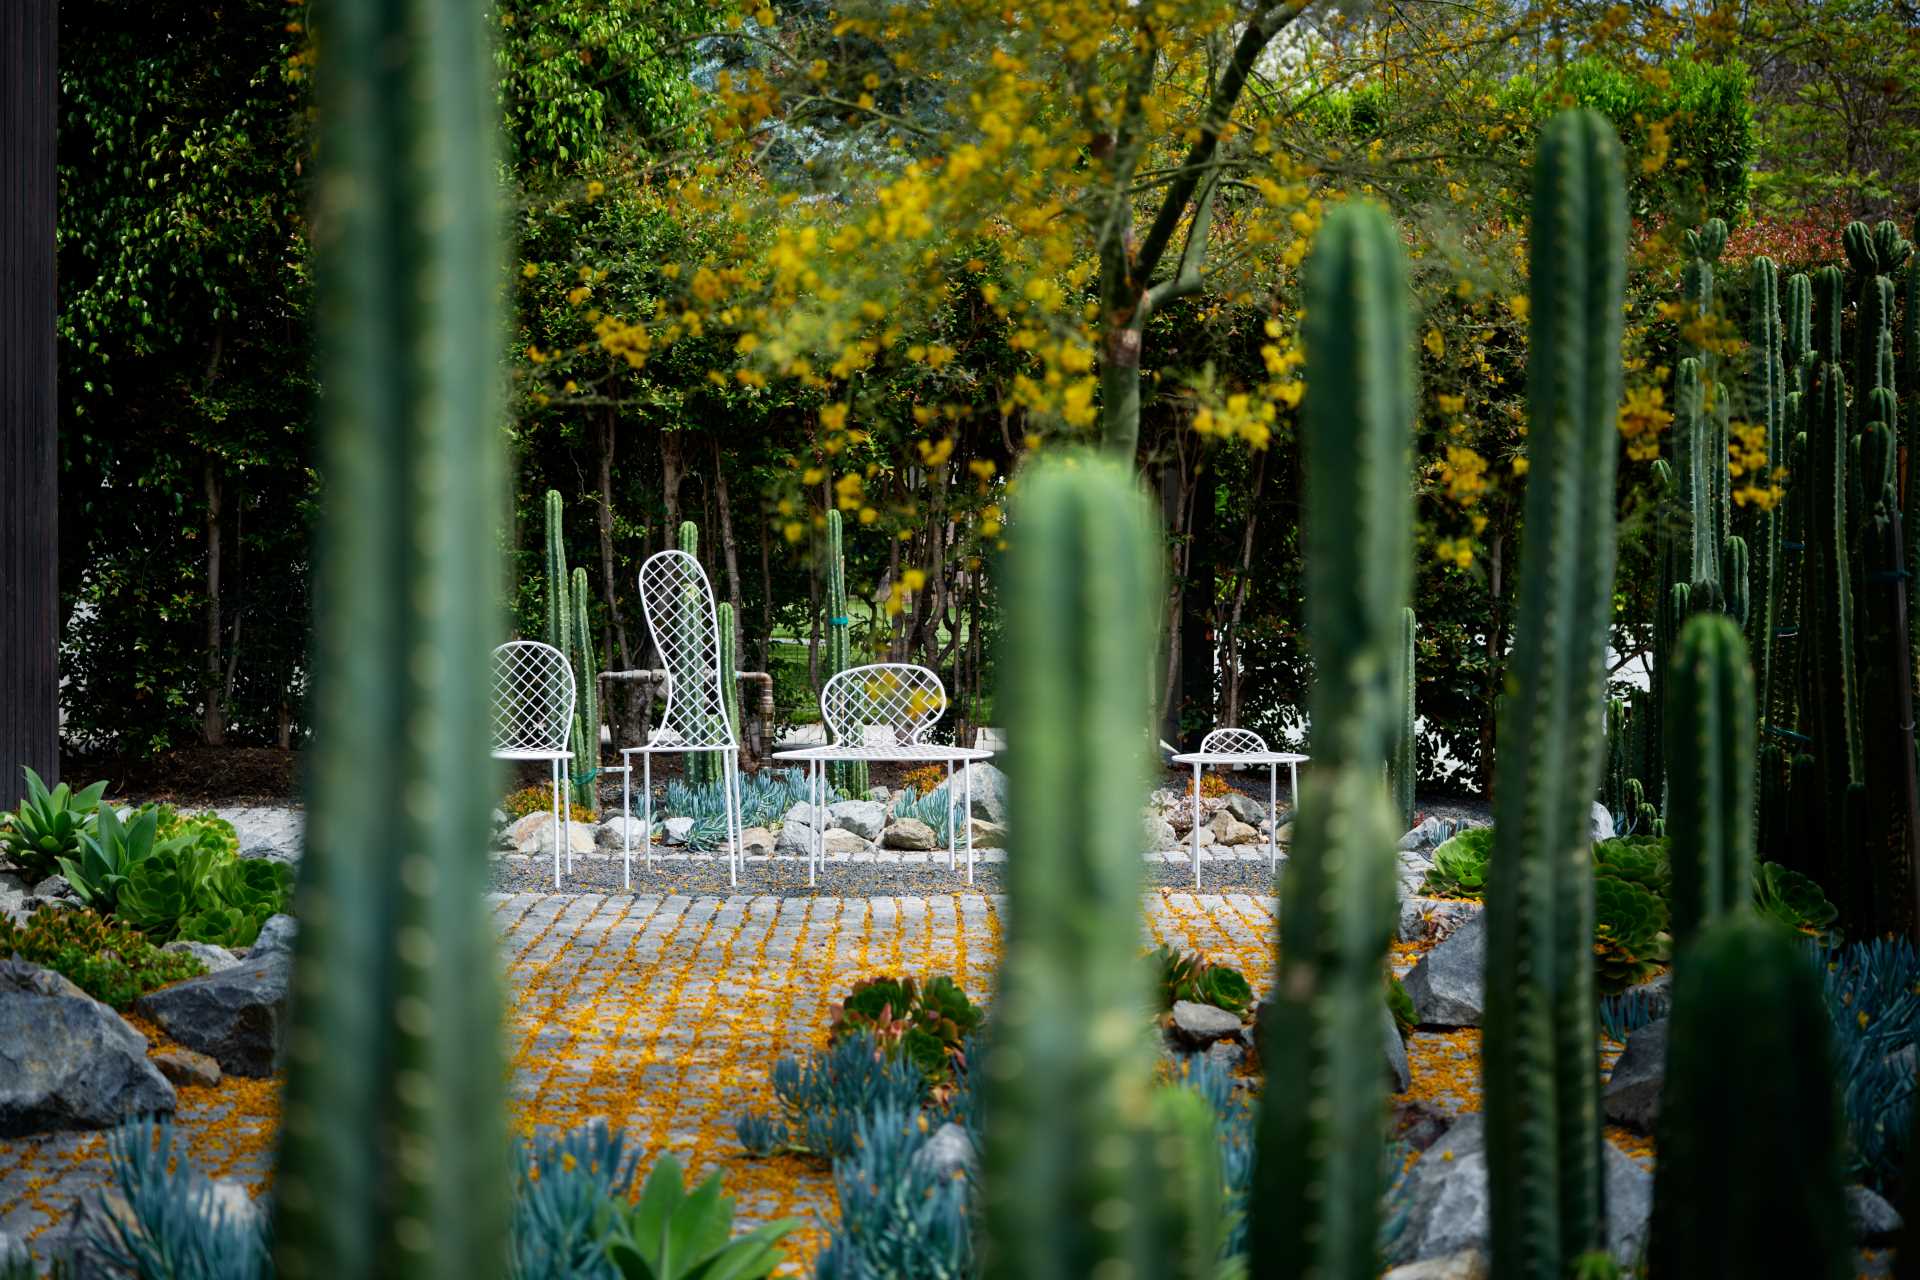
x=850 y=776
x=586 y=702
x=1710 y=814
x=1070 y=1186
x=1404 y=764
x=1542 y=1081
x=393 y=1155
x=1317 y=1177
x=1746 y=992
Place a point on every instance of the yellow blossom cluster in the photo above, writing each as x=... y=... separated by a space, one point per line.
x=1643 y=417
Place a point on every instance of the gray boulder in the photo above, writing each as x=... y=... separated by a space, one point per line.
x=756 y=842
x=948 y=1153
x=1228 y=830
x=1601 y=821
x=1399 y=1071
x=1632 y=1096
x=1446 y=1198
x=677 y=829
x=1160 y=833
x=185 y=1067
x=908 y=834
x=14 y=892
x=989 y=794
x=1246 y=808
x=277 y=934
x=96 y=1214
x=618 y=833
x=865 y=818
x=796 y=839
x=802 y=813
x=55 y=887
x=238 y=1018
x=1428 y=834
x=66 y=1060
x=1199 y=1025
x=1469 y=1264
x=213 y=959
x=1874 y=1221
x=1448 y=986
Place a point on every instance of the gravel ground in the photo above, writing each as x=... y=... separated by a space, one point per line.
x=787 y=877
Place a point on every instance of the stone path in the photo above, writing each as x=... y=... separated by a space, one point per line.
x=663 y=1014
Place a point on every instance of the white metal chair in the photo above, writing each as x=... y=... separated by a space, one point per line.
x=883 y=711
x=532 y=714
x=1237 y=748
x=678 y=603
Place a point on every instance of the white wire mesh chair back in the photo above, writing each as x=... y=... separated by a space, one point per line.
x=678 y=603
x=532 y=697
x=882 y=704
x=1232 y=741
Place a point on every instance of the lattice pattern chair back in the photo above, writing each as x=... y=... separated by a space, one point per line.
x=678 y=603
x=882 y=704
x=1233 y=741
x=532 y=698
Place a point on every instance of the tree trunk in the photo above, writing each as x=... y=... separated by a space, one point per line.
x=213 y=724
x=1231 y=714
x=621 y=700
x=729 y=553
x=1195 y=708
x=29 y=467
x=1496 y=660
x=766 y=603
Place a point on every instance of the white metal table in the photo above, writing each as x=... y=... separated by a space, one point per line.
x=1242 y=759
x=818 y=758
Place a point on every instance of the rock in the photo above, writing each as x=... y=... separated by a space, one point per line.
x=1227 y=1054
x=13 y=1253
x=1447 y=986
x=948 y=1154
x=185 y=1067
x=1424 y=918
x=1228 y=830
x=865 y=818
x=1199 y=1025
x=907 y=833
x=1430 y=833
x=276 y=935
x=844 y=843
x=533 y=835
x=1632 y=1095
x=1468 y=1264
x=676 y=830
x=95 y=1213
x=1285 y=834
x=1601 y=822
x=66 y=1060
x=499 y=818
x=802 y=813
x=989 y=794
x=1207 y=838
x=1246 y=808
x=1446 y=1198
x=55 y=887
x=756 y=842
x=796 y=840
x=274 y=833
x=1164 y=798
x=1399 y=1072
x=988 y=835
x=1874 y=1220
x=213 y=959
x=618 y=833
x=239 y=1017
x=880 y=794
x=14 y=892
x=1160 y=833
x=1420 y=1124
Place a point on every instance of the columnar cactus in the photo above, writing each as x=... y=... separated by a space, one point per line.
x=1404 y=764
x=1070 y=1184
x=730 y=668
x=1746 y=992
x=1711 y=718
x=1542 y=1081
x=1701 y=463
x=586 y=700
x=393 y=1158
x=850 y=776
x=559 y=610
x=1827 y=614
x=1317 y=1178
x=1767 y=391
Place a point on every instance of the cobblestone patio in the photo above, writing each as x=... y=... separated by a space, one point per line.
x=663 y=1014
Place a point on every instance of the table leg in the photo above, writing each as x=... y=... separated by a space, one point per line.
x=646 y=805
x=966 y=813
x=1273 y=818
x=626 y=818
x=952 y=835
x=556 y=822
x=1196 y=824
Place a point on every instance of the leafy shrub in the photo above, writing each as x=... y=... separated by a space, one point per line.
x=1400 y=1005
x=1460 y=865
x=48 y=825
x=1212 y=787
x=1630 y=937
x=671 y=1235
x=924 y=778
x=1794 y=900
x=539 y=799
x=1194 y=978
x=927 y=1025
x=822 y=1099
x=110 y=962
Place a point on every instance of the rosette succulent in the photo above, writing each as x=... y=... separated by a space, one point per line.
x=1460 y=865
x=1191 y=976
x=1630 y=938
x=1794 y=900
x=926 y=1024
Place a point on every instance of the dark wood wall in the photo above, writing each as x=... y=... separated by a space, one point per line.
x=29 y=592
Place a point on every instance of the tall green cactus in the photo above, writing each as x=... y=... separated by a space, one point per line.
x=586 y=700
x=1317 y=1177
x=1746 y=992
x=849 y=775
x=393 y=1159
x=1827 y=614
x=1702 y=463
x=1767 y=392
x=1542 y=1085
x=559 y=609
x=730 y=669
x=1403 y=765
x=1710 y=814
x=1070 y=1187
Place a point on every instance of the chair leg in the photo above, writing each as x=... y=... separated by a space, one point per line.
x=1196 y=824
x=729 y=775
x=626 y=820
x=646 y=805
x=1273 y=818
x=556 y=823
x=952 y=835
x=966 y=813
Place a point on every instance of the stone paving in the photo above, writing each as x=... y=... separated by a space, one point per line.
x=663 y=1013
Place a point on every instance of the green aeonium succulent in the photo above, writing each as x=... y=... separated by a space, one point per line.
x=1640 y=859
x=927 y=1024
x=1794 y=900
x=1630 y=938
x=1460 y=865
x=1191 y=976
